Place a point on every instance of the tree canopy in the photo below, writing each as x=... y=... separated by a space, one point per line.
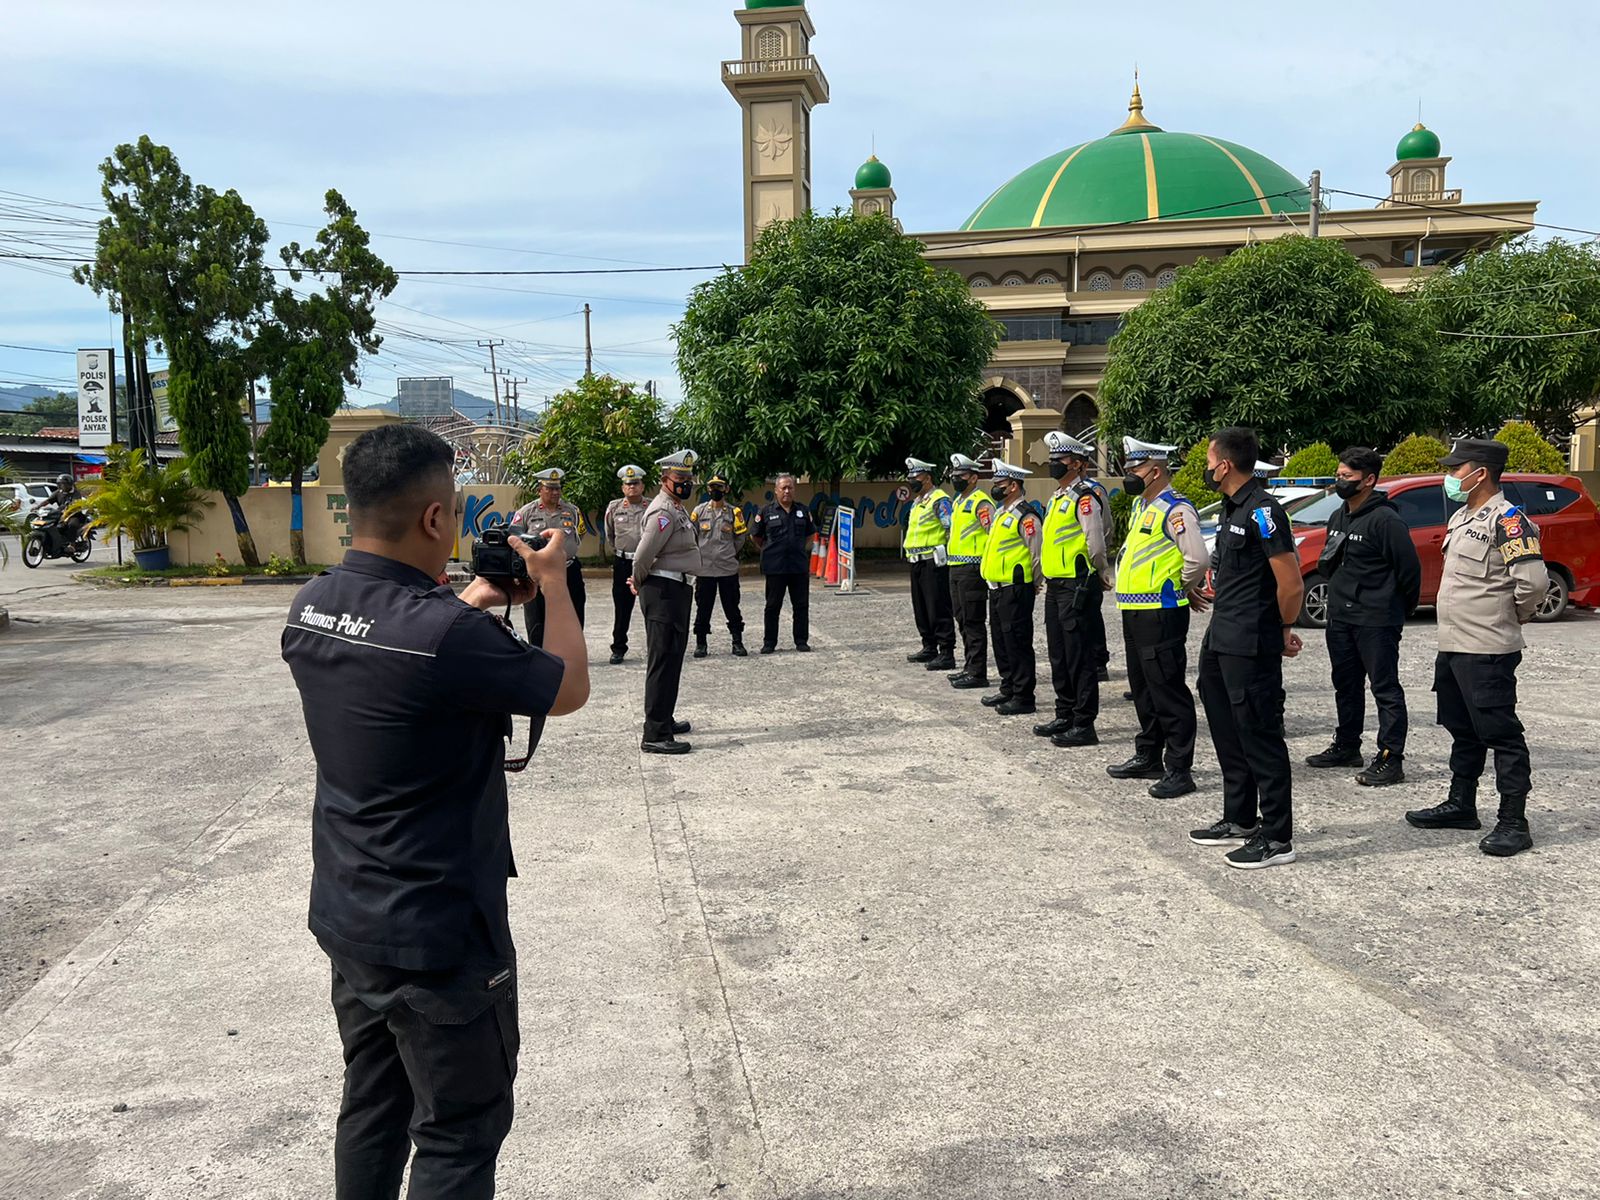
x=1292 y=337
x=47 y=411
x=1515 y=329
x=837 y=351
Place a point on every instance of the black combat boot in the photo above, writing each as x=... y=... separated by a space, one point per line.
x=1051 y=728
x=699 y=647
x=945 y=662
x=1510 y=833
x=926 y=654
x=738 y=648
x=1386 y=769
x=1459 y=810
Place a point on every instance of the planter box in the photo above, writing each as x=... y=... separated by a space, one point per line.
x=158 y=559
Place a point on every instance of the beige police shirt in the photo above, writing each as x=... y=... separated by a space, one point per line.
x=624 y=523
x=565 y=517
x=722 y=532
x=668 y=542
x=1494 y=578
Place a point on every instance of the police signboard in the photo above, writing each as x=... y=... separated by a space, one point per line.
x=97 y=386
x=847 y=548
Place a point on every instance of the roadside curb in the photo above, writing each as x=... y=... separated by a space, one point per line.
x=198 y=581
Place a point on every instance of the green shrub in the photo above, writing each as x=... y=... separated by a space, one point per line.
x=1419 y=454
x=1190 y=478
x=1316 y=461
x=1529 y=451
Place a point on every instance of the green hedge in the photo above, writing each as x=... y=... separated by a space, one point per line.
x=1419 y=454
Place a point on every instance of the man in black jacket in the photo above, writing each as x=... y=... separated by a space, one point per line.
x=1374 y=579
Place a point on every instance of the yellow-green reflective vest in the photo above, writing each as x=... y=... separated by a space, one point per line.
x=1066 y=545
x=1007 y=550
x=1150 y=571
x=925 y=530
x=968 y=537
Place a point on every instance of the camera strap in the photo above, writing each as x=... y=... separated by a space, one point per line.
x=535 y=726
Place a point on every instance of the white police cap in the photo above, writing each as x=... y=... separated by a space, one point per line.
x=631 y=474
x=915 y=466
x=1266 y=470
x=1133 y=450
x=550 y=475
x=1061 y=445
x=680 y=460
x=1007 y=471
x=960 y=462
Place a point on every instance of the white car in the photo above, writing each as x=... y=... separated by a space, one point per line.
x=20 y=499
x=1290 y=495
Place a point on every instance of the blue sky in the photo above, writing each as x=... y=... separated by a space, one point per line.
x=594 y=135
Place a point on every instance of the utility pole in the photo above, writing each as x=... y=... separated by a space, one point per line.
x=1316 y=202
x=588 y=345
x=514 y=395
x=494 y=373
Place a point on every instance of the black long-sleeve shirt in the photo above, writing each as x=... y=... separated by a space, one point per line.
x=1371 y=561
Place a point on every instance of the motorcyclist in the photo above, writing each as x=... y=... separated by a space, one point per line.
x=66 y=491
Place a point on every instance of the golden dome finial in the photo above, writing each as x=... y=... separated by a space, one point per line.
x=1136 y=122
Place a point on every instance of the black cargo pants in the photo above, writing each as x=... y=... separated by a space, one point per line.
x=1477 y=696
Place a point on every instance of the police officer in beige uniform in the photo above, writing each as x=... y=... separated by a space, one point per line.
x=664 y=568
x=550 y=511
x=1494 y=578
x=624 y=520
x=721 y=529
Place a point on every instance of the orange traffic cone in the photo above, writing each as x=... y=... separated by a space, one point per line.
x=832 y=577
x=816 y=550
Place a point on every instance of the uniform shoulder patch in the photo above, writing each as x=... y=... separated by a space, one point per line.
x=985 y=515
x=1030 y=525
x=942 y=507
x=1176 y=521
x=1511 y=523
x=1265 y=521
x=663 y=522
x=1086 y=506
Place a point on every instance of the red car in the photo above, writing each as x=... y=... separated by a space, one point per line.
x=1569 y=529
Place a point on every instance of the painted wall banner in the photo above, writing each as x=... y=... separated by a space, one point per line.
x=158 y=392
x=97 y=386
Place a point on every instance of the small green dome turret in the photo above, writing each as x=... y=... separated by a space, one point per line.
x=774 y=3
x=1421 y=142
x=872 y=174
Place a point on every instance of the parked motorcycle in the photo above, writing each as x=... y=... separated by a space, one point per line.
x=49 y=538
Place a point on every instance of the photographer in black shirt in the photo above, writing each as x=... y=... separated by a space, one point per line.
x=408 y=692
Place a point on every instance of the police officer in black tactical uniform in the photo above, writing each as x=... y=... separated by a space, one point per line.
x=1374 y=579
x=408 y=693
x=1258 y=593
x=783 y=531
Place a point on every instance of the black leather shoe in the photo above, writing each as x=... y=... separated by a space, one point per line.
x=1173 y=783
x=803 y=647
x=1051 y=728
x=1079 y=735
x=665 y=746
x=963 y=682
x=1385 y=770
x=1016 y=708
x=679 y=727
x=700 y=648
x=1127 y=695
x=1459 y=810
x=738 y=649
x=945 y=662
x=768 y=648
x=1337 y=755
x=995 y=701
x=1508 y=837
x=922 y=656
x=1137 y=767
x=615 y=658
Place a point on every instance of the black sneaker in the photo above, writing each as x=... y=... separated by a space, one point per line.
x=1015 y=708
x=945 y=662
x=1172 y=784
x=1137 y=767
x=1223 y=833
x=616 y=657
x=803 y=647
x=963 y=682
x=739 y=651
x=996 y=700
x=1386 y=769
x=1337 y=755
x=1508 y=837
x=700 y=648
x=1051 y=728
x=680 y=727
x=1078 y=735
x=768 y=648
x=1259 y=852
x=923 y=655
x=1127 y=695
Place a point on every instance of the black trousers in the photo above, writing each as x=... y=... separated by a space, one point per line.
x=930 y=606
x=429 y=1059
x=798 y=586
x=1156 y=640
x=666 y=605
x=622 y=599
x=969 y=600
x=533 y=613
x=1359 y=653
x=1011 y=626
x=707 y=588
x=1075 y=634
x=1477 y=695
x=1243 y=695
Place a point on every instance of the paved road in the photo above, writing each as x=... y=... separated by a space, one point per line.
x=869 y=940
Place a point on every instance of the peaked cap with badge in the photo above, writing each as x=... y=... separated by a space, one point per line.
x=960 y=462
x=915 y=466
x=1061 y=445
x=1133 y=450
x=631 y=474
x=550 y=475
x=679 y=460
x=1004 y=470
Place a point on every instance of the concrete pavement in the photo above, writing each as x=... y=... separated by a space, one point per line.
x=869 y=940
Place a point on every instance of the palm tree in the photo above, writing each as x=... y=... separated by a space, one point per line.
x=145 y=503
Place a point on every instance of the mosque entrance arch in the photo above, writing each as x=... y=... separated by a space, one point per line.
x=1001 y=398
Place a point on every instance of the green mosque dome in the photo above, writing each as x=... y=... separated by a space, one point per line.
x=1140 y=172
x=1421 y=142
x=872 y=174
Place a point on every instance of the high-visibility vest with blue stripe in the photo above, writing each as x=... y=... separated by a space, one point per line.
x=1066 y=545
x=1150 y=571
x=968 y=536
x=1007 y=549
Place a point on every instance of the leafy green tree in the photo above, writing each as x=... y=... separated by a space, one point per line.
x=1316 y=461
x=183 y=264
x=590 y=431
x=47 y=411
x=1529 y=451
x=1190 y=479
x=1417 y=455
x=1528 y=308
x=838 y=351
x=1292 y=337
x=313 y=344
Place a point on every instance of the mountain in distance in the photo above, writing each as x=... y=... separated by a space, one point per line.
x=15 y=399
x=473 y=407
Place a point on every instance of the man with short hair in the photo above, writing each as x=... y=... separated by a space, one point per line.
x=971 y=515
x=624 y=521
x=783 y=530
x=720 y=527
x=1374 y=580
x=1011 y=572
x=664 y=570
x=550 y=511
x=927 y=530
x=408 y=692
x=1494 y=579
x=1258 y=591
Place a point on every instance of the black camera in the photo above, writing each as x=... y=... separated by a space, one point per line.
x=493 y=557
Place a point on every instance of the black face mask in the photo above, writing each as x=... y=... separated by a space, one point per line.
x=681 y=488
x=1000 y=491
x=1346 y=489
x=1133 y=485
x=963 y=482
x=717 y=493
x=1058 y=470
x=1210 y=477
